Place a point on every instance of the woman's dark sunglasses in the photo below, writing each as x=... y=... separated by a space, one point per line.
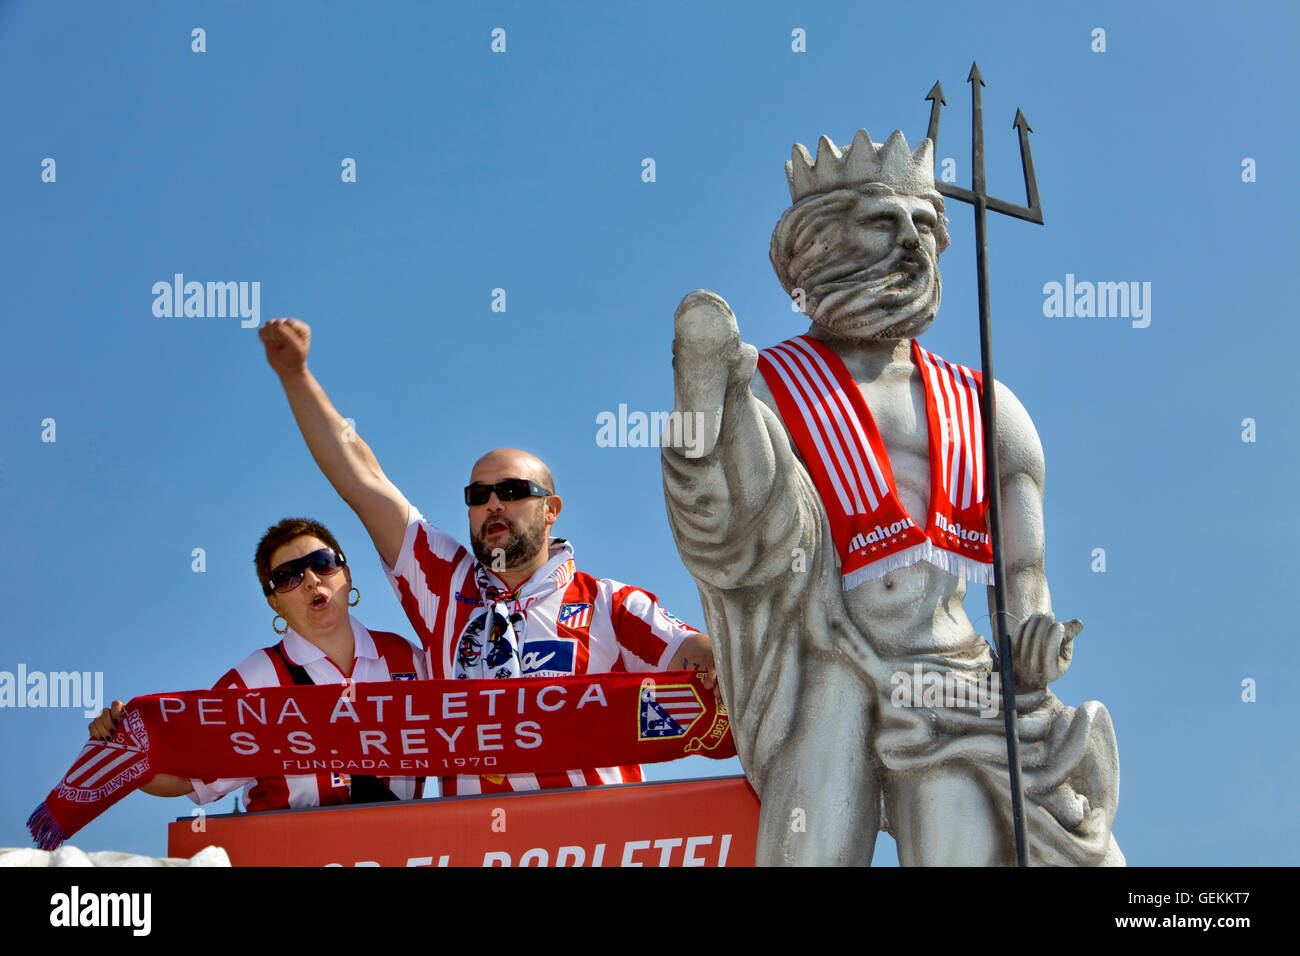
x=511 y=489
x=289 y=575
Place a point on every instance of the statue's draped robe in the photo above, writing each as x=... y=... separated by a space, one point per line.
x=753 y=533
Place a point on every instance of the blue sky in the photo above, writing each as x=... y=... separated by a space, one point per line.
x=522 y=171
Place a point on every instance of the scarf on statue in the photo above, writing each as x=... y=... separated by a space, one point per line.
x=836 y=436
x=493 y=638
x=389 y=728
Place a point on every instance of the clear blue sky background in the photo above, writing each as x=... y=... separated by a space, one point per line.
x=523 y=171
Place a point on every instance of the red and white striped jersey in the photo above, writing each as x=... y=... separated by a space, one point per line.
x=378 y=656
x=591 y=626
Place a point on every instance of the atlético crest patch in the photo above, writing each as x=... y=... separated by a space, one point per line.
x=667 y=710
x=575 y=615
x=405 y=675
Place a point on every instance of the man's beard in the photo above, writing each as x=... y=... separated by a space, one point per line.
x=524 y=540
x=896 y=300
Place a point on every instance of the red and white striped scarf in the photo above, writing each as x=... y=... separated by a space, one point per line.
x=837 y=438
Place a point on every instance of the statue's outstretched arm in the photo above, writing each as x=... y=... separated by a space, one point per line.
x=728 y=466
x=1042 y=645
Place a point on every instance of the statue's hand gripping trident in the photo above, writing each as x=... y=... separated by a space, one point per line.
x=1041 y=648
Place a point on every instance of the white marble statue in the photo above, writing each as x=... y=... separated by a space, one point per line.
x=861 y=696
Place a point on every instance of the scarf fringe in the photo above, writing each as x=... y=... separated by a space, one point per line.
x=959 y=566
x=45 y=830
x=882 y=566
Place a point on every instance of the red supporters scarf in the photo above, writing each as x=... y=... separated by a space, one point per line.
x=836 y=436
x=393 y=728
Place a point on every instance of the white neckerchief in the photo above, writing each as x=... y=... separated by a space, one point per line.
x=490 y=644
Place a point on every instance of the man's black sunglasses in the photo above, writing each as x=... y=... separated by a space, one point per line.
x=510 y=489
x=289 y=575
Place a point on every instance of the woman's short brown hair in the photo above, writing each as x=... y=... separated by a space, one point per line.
x=282 y=533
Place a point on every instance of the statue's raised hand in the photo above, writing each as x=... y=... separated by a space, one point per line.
x=708 y=356
x=1042 y=647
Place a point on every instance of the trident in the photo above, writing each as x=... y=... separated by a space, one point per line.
x=979 y=198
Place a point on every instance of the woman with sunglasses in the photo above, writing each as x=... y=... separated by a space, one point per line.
x=307 y=583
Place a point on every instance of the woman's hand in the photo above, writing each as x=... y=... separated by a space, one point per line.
x=105 y=725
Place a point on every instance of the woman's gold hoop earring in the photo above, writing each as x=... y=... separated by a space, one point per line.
x=352 y=603
x=276 y=629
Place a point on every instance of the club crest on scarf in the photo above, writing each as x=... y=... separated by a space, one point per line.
x=103 y=768
x=669 y=710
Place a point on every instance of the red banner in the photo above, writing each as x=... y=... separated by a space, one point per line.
x=688 y=823
x=394 y=728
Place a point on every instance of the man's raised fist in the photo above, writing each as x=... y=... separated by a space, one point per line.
x=287 y=342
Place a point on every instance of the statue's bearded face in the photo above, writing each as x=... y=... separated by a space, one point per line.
x=867 y=262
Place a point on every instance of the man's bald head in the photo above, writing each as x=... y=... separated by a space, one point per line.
x=511 y=463
x=512 y=537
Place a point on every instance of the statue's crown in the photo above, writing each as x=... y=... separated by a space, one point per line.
x=892 y=164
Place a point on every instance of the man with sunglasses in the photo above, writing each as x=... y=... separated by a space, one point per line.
x=517 y=606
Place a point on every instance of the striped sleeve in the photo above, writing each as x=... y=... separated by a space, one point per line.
x=430 y=568
x=648 y=636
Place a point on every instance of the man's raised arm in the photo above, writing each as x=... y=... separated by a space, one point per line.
x=340 y=453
